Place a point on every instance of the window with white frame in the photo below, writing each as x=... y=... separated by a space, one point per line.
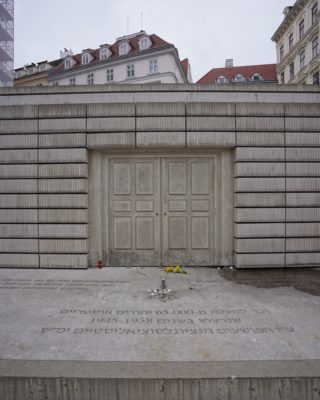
x=110 y=75
x=301 y=29
x=42 y=68
x=55 y=84
x=104 y=53
x=90 y=79
x=302 y=59
x=153 y=65
x=222 y=79
x=130 y=70
x=315 y=46
x=256 y=77
x=314 y=13
x=239 y=78
x=67 y=63
x=290 y=41
x=143 y=43
x=291 y=70
x=85 y=58
x=123 y=49
x=72 y=81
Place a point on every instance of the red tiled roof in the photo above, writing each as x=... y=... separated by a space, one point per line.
x=267 y=71
x=185 y=66
x=156 y=43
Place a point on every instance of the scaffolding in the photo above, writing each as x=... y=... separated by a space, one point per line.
x=6 y=42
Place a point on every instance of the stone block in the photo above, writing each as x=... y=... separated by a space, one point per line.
x=303 y=139
x=303 y=169
x=260 y=138
x=18 y=216
x=57 y=231
x=18 y=141
x=63 y=246
x=259 y=260
x=63 y=185
x=160 y=124
x=18 y=171
x=214 y=139
x=19 y=260
x=210 y=124
x=63 y=170
x=19 y=231
x=259 y=184
x=63 y=216
x=112 y=124
x=62 y=110
x=18 y=245
x=17 y=112
x=260 y=199
x=160 y=109
x=305 y=184
x=259 y=169
x=18 y=186
x=303 y=244
x=62 y=140
x=303 y=214
x=260 y=124
x=18 y=156
x=260 y=215
x=111 y=140
x=161 y=139
x=259 y=154
x=303 y=199
x=302 y=110
x=303 y=154
x=63 y=200
x=303 y=259
x=259 y=230
x=111 y=110
x=260 y=245
x=259 y=109
x=62 y=125
x=210 y=109
x=64 y=261
x=303 y=229
x=63 y=155
x=19 y=126
x=302 y=124
x=18 y=201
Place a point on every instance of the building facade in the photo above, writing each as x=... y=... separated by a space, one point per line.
x=297 y=44
x=34 y=74
x=137 y=175
x=6 y=42
x=264 y=73
x=136 y=58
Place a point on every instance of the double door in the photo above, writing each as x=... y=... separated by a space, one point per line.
x=161 y=211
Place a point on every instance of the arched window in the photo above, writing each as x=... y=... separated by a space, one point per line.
x=123 y=49
x=144 y=43
x=104 y=53
x=222 y=79
x=239 y=78
x=67 y=63
x=256 y=77
x=85 y=58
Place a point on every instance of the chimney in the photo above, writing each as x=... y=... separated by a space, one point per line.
x=286 y=11
x=64 y=53
x=229 y=63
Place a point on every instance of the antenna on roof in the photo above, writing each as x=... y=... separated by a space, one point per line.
x=127 y=25
x=141 y=20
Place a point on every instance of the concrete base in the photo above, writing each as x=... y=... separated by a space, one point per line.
x=96 y=334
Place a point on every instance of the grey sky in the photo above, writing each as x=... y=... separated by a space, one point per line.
x=205 y=31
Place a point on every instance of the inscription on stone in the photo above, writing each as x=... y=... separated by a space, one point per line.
x=167 y=322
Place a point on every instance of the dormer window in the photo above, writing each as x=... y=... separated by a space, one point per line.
x=124 y=49
x=256 y=77
x=239 y=78
x=144 y=43
x=85 y=58
x=104 y=53
x=222 y=79
x=67 y=63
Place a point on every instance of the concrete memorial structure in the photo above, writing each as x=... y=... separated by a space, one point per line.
x=149 y=175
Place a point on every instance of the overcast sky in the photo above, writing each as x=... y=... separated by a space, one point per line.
x=205 y=31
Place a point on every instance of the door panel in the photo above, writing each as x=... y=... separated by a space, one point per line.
x=188 y=211
x=134 y=198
